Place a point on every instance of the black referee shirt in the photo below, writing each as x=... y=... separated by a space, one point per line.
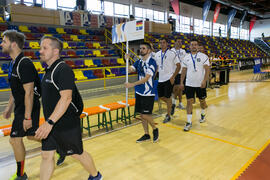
x=63 y=77
x=27 y=73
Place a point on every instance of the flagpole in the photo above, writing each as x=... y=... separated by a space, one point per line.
x=127 y=60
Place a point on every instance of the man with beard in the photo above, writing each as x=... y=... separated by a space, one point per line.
x=62 y=128
x=144 y=88
x=196 y=71
x=25 y=93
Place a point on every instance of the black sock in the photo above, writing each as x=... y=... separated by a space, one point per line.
x=20 y=168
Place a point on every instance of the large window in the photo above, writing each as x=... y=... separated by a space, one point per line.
x=234 y=32
x=108 y=8
x=159 y=16
x=94 y=6
x=148 y=13
x=216 y=30
x=244 y=34
x=202 y=28
x=67 y=5
x=138 y=13
x=184 y=24
x=51 y=4
x=121 y=10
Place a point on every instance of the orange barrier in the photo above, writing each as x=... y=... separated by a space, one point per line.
x=97 y=110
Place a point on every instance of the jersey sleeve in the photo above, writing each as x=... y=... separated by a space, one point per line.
x=184 y=62
x=206 y=60
x=27 y=71
x=64 y=78
x=175 y=58
x=135 y=65
x=151 y=70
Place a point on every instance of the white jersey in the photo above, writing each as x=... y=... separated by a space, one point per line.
x=181 y=53
x=166 y=64
x=195 y=70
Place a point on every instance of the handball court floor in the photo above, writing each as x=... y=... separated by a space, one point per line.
x=236 y=132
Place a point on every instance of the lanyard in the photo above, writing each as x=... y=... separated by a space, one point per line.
x=10 y=69
x=194 y=63
x=162 y=58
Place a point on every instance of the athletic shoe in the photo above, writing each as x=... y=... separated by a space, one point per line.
x=202 y=120
x=61 y=159
x=15 y=177
x=187 y=126
x=180 y=106
x=167 y=119
x=155 y=135
x=145 y=137
x=173 y=109
x=98 y=177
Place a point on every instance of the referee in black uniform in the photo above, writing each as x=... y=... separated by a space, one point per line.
x=25 y=93
x=62 y=127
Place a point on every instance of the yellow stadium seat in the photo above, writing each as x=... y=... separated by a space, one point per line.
x=66 y=46
x=2 y=20
x=38 y=66
x=162 y=35
x=79 y=75
x=97 y=53
x=60 y=31
x=121 y=61
x=34 y=45
x=83 y=31
x=74 y=38
x=1 y=71
x=97 y=45
x=89 y=63
x=111 y=74
x=172 y=41
x=183 y=46
x=24 y=29
x=48 y=35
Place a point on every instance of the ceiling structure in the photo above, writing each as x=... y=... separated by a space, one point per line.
x=259 y=8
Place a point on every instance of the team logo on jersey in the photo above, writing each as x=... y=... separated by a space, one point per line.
x=199 y=60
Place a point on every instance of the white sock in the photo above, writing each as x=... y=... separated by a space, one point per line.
x=173 y=100
x=189 y=117
x=203 y=111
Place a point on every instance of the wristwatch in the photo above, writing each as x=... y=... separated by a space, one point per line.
x=50 y=122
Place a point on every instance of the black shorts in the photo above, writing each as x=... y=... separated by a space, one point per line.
x=200 y=92
x=144 y=104
x=165 y=89
x=177 y=79
x=67 y=142
x=17 y=124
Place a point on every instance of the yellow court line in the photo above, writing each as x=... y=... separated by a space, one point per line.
x=210 y=137
x=243 y=168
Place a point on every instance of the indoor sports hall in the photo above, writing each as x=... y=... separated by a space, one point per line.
x=234 y=141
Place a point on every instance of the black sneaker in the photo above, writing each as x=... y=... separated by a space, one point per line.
x=155 y=135
x=98 y=177
x=187 y=126
x=60 y=160
x=167 y=119
x=145 y=137
x=173 y=109
x=202 y=120
x=15 y=177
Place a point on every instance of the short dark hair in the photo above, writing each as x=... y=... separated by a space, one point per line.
x=57 y=43
x=146 y=44
x=15 y=36
x=163 y=38
x=193 y=39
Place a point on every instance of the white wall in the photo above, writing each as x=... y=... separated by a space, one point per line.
x=261 y=26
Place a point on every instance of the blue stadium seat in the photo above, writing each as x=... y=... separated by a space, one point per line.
x=3 y=83
x=89 y=74
x=97 y=62
x=52 y=30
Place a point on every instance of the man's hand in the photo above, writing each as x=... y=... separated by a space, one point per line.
x=127 y=56
x=6 y=113
x=27 y=124
x=203 y=85
x=129 y=85
x=43 y=131
x=172 y=80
